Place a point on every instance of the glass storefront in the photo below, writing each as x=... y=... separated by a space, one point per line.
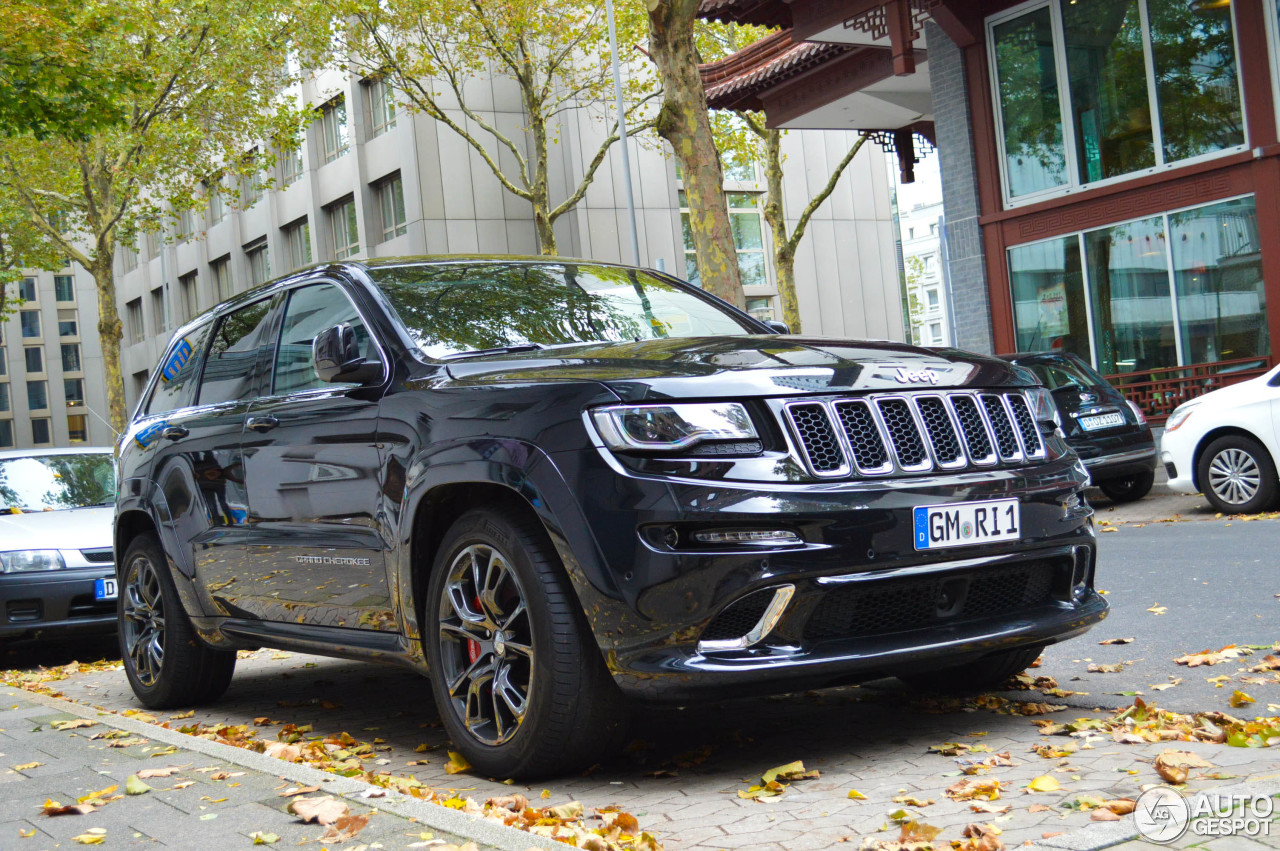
x=1171 y=290
x=1140 y=84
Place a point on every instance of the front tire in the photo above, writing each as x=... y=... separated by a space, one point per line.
x=979 y=675
x=165 y=661
x=1128 y=488
x=1237 y=475
x=518 y=680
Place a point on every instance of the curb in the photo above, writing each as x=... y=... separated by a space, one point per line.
x=1099 y=835
x=486 y=833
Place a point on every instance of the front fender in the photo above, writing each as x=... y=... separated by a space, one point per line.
x=142 y=497
x=526 y=472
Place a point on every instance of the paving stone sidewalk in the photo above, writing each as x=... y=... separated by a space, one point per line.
x=681 y=775
x=221 y=796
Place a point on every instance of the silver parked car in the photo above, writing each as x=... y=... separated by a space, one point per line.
x=57 y=573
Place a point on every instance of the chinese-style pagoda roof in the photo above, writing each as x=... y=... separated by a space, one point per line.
x=763 y=13
x=736 y=81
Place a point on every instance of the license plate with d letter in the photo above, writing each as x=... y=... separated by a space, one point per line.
x=961 y=524
x=104 y=589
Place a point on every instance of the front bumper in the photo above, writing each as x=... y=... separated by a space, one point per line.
x=1120 y=464
x=60 y=601
x=855 y=533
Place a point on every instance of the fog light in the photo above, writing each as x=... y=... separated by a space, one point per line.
x=778 y=537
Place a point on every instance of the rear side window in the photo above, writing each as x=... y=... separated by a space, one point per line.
x=178 y=371
x=310 y=311
x=233 y=370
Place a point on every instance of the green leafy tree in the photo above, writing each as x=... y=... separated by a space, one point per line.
x=214 y=76
x=745 y=138
x=556 y=52
x=684 y=122
x=21 y=247
x=53 y=78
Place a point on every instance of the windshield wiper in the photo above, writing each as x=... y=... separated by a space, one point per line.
x=497 y=350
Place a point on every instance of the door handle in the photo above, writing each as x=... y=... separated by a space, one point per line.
x=175 y=432
x=261 y=423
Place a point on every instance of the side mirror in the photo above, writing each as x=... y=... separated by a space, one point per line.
x=336 y=355
x=778 y=326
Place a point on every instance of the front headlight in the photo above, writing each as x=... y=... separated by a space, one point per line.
x=667 y=428
x=30 y=561
x=1043 y=407
x=1179 y=415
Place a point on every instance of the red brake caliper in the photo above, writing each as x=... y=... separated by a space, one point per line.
x=473 y=646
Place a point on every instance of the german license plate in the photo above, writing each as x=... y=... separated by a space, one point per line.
x=960 y=524
x=1102 y=421
x=104 y=589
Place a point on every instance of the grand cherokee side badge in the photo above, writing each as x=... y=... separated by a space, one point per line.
x=916 y=376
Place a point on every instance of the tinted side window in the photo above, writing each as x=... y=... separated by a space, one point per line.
x=179 y=371
x=233 y=370
x=312 y=310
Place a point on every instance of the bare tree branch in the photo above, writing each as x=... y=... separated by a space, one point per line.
x=816 y=201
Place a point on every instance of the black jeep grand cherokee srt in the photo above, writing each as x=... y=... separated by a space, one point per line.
x=553 y=483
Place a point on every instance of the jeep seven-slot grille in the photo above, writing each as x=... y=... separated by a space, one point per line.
x=914 y=433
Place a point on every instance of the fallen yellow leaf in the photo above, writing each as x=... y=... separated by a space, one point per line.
x=1044 y=783
x=855 y=795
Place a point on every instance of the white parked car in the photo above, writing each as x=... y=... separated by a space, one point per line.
x=1225 y=443
x=57 y=573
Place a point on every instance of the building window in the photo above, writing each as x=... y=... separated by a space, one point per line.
x=4 y=398
x=140 y=379
x=64 y=288
x=4 y=362
x=189 y=298
x=71 y=357
x=68 y=324
x=259 y=263
x=133 y=315
x=27 y=290
x=217 y=206
x=222 y=287
x=1133 y=314
x=35 y=358
x=158 y=322
x=291 y=166
x=74 y=390
x=333 y=129
x=251 y=181
x=40 y=432
x=391 y=203
x=345 y=229
x=382 y=107
x=762 y=308
x=6 y=434
x=1091 y=90
x=187 y=226
x=37 y=395
x=297 y=237
x=747 y=223
x=30 y=320
x=931 y=299
x=77 y=428
x=129 y=253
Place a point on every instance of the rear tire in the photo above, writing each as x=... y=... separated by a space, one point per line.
x=165 y=661
x=979 y=675
x=1128 y=488
x=518 y=680
x=1237 y=475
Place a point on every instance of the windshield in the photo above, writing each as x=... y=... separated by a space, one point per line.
x=54 y=482
x=464 y=307
x=1066 y=373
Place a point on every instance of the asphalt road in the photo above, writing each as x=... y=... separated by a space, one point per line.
x=1218 y=581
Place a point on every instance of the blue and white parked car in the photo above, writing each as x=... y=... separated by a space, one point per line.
x=57 y=573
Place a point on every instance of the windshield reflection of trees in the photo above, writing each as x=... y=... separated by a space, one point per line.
x=460 y=307
x=78 y=481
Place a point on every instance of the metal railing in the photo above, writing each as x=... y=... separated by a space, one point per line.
x=1159 y=391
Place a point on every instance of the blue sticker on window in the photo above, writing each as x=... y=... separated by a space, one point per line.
x=181 y=354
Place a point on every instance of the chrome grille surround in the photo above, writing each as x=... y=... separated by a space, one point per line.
x=943 y=431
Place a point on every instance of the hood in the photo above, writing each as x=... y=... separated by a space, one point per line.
x=764 y=365
x=68 y=529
